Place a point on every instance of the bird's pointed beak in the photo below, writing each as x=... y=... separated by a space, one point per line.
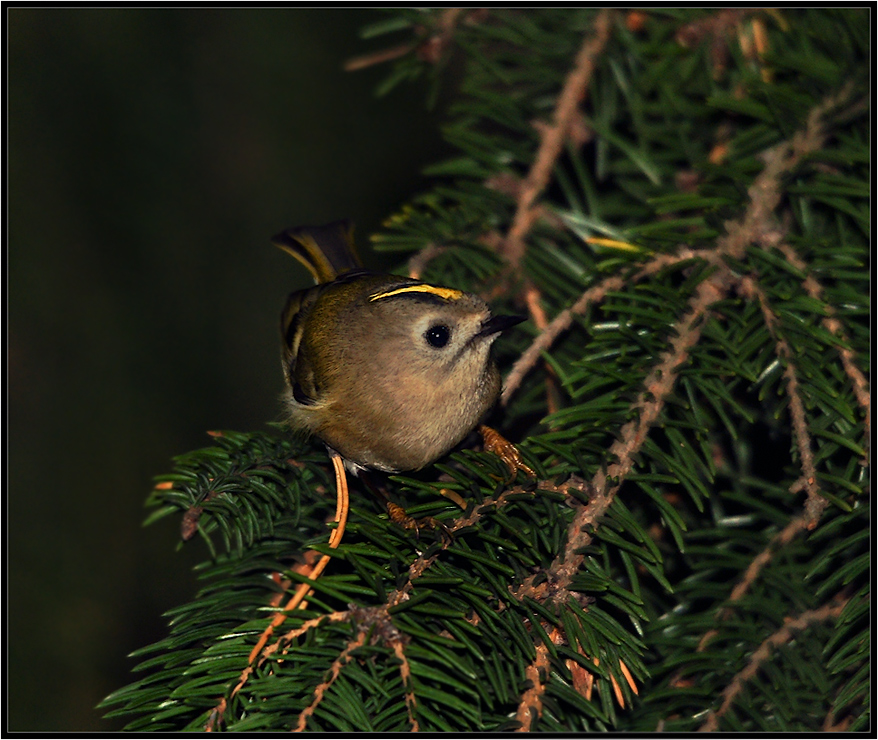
x=496 y=324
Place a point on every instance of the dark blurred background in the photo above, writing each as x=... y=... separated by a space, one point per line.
x=151 y=155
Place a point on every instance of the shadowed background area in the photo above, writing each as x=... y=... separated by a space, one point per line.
x=151 y=155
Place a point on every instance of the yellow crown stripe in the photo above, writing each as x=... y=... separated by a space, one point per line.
x=449 y=294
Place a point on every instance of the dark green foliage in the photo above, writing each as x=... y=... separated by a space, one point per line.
x=713 y=199
x=452 y=655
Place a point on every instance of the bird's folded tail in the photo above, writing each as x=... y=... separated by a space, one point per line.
x=327 y=251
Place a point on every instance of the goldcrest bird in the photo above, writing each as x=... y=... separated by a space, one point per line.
x=389 y=372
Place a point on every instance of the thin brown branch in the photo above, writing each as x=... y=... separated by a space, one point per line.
x=378 y=57
x=657 y=387
x=814 y=289
x=814 y=507
x=343 y=659
x=311 y=624
x=432 y=49
x=422 y=563
x=593 y=295
x=794 y=527
x=474 y=516
x=366 y=618
x=649 y=404
x=216 y=716
x=429 y=49
x=532 y=299
x=418 y=263
x=815 y=504
x=757 y=225
x=785 y=536
x=763 y=653
x=369 y=620
x=530 y=706
x=297 y=601
x=553 y=330
x=830 y=725
x=554 y=136
x=405 y=672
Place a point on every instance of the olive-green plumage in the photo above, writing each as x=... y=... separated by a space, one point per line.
x=388 y=371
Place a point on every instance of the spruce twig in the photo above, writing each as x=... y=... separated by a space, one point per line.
x=762 y=654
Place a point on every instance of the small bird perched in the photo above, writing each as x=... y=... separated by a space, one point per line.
x=389 y=372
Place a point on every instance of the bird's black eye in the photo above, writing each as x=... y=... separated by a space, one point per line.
x=437 y=335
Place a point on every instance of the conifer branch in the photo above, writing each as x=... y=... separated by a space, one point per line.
x=355 y=64
x=860 y=385
x=554 y=136
x=796 y=525
x=530 y=707
x=334 y=670
x=603 y=487
x=365 y=619
x=657 y=386
x=418 y=263
x=552 y=139
x=288 y=637
x=828 y=611
x=756 y=225
x=432 y=49
x=815 y=504
x=422 y=563
x=553 y=330
x=830 y=725
x=591 y=296
x=216 y=716
x=533 y=300
x=429 y=49
x=405 y=673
